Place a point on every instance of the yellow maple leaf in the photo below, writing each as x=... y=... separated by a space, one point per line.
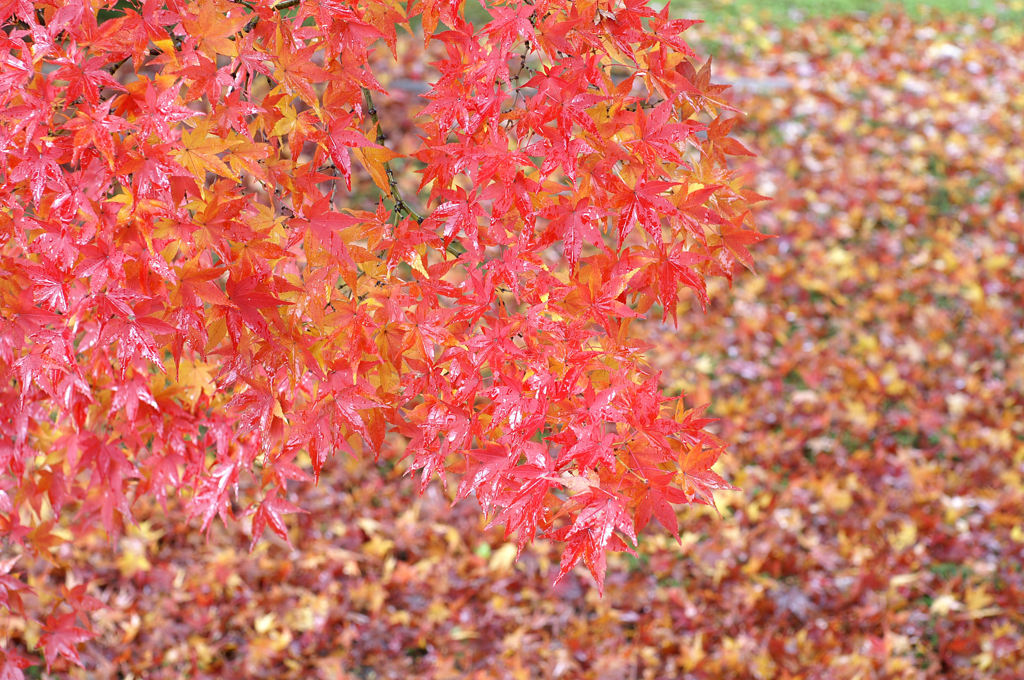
x=195 y=378
x=980 y=603
x=199 y=153
x=375 y=159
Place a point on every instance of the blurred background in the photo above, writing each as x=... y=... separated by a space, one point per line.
x=797 y=10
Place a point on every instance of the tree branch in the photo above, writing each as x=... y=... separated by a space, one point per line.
x=396 y=194
x=251 y=24
x=256 y=19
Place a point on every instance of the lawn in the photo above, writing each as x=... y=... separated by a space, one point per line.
x=793 y=11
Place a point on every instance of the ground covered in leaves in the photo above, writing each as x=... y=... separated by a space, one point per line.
x=870 y=377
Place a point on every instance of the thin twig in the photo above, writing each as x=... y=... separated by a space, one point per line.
x=287 y=4
x=396 y=194
x=401 y=206
x=245 y=29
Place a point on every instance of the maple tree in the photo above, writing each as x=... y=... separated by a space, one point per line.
x=196 y=302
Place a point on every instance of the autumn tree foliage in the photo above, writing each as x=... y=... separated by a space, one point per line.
x=194 y=303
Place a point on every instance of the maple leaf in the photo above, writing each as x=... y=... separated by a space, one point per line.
x=135 y=339
x=40 y=167
x=22 y=9
x=50 y=286
x=593 y=446
x=375 y=159
x=349 y=396
x=658 y=499
x=668 y=30
x=644 y=204
x=657 y=139
x=699 y=480
x=269 y=511
x=432 y=11
x=14 y=664
x=11 y=587
x=234 y=113
x=85 y=76
x=559 y=150
x=675 y=267
x=575 y=225
x=456 y=216
x=214 y=27
x=95 y=127
x=327 y=228
x=204 y=76
x=509 y=24
x=129 y=397
x=523 y=507
x=736 y=240
x=212 y=496
x=296 y=70
x=342 y=135
x=200 y=152
x=153 y=16
x=251 y=300
x=601 y=298
x=79 y=600
x=589 y=534
x=159 y=110
x=61 y=637
x=563 y=101
x=483 y=468
x=350 y=33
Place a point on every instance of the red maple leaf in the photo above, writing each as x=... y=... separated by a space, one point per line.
x=269 y=511
x=60 y=639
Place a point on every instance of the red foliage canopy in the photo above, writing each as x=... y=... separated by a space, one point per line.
x=193 y=296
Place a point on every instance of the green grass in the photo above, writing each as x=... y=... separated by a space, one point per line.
x=789 y=11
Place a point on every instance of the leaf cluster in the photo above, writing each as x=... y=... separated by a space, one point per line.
x=196 y=304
